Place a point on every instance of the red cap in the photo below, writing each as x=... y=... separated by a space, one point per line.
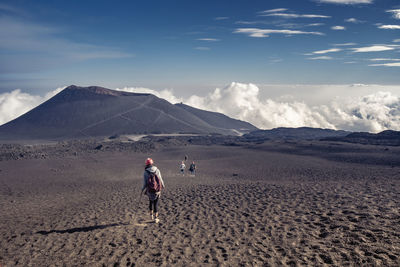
x=149 y=161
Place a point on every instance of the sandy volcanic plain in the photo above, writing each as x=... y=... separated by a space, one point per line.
x=272 y=204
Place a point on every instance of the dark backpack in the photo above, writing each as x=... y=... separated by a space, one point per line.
x=192 y=167
x=153 y=183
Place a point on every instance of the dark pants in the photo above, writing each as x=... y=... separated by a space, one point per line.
x=153 y=205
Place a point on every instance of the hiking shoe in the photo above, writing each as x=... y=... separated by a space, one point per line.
x=157 y=220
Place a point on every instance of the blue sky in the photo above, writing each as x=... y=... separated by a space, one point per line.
x=320 y=63
x=197 y=44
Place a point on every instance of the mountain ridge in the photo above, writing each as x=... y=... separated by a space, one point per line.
x=96 y=111
x=387 y=138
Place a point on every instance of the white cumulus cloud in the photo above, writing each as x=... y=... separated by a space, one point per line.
x=375 y=112
x=242 y=101
x=15 y=103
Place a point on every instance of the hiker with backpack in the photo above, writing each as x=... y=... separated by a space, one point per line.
x=182 y=167
x=192 y=168
x=153 y=184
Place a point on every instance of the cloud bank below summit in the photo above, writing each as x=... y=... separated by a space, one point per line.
x=373 y=112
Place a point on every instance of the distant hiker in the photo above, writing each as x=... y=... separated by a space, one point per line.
x=183 y=167
x=192 y=168
x=186 y=157
x=153 y=184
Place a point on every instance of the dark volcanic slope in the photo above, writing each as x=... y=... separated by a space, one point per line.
x=95 y=111
x=387 y=138
x=218 y=119
x=302 y=133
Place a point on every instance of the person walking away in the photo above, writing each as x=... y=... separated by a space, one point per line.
x=153 y=184
x=183 y=167
x=192 y=168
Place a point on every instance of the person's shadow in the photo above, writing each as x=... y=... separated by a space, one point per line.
x=81 y=229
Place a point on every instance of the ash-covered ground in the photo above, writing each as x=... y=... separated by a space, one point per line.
x=295 y=203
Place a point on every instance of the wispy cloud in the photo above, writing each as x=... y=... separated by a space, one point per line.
x=285 y=13
x=395 y=64
x=373 y=48
x=298 y=25
x=291 y=25
x=321 y=58
x=221 y=18
x=332 y=50
x=30 y=46
x=345 y=44
x=7 y=9
x=315 y=24
x=384 y=59
x=338 y=28
x=389 y=27
x=253 y=22
x=208 y=39
x=346 y=2
x=275 y=60
x=245 y=22
x=203 y=48
x=396 y=41
x=354 y=20
x=262 y=33
x=395 y=12
x=274 y=10
x=293 y=15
